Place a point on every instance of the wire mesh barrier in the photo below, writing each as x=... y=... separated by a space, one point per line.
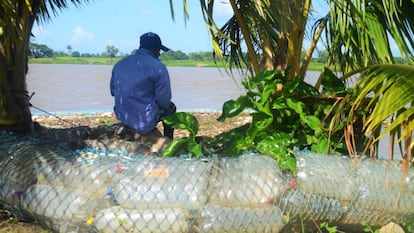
x=98 y=191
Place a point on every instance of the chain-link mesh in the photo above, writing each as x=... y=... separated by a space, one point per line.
x=97 y=191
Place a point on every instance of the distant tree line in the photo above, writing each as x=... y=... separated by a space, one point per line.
x=43 y=51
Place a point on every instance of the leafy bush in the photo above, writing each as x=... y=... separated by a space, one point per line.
x=285 y=114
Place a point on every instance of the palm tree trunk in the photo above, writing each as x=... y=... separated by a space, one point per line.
x=299 y=10
x=312 y=47
x=15 y=112
x=249 y=44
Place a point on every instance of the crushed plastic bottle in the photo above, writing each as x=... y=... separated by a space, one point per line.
x=162 y=183
x=239 y=182
x=58 y=203
x=122 y=220
x=241 y=219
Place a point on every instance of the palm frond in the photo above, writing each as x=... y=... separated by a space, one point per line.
x=45 y=10
x=390 y=90
x=360 y=33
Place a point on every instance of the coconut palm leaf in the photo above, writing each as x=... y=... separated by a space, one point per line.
x=390 y=90
x=361 y=33
x=267 y=29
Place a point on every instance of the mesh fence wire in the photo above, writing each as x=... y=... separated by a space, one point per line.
x=97 y=191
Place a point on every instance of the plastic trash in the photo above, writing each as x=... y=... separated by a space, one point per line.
x=241 y=219
x=121 y=220
x=160 y=183
x=319 y=174
x=10 y=197
x=245 y=181
x=381 y=189
x=58 y=203
x=95 y=178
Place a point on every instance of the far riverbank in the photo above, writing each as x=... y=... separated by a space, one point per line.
x=313 y=66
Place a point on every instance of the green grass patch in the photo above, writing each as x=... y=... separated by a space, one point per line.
x=313 y=66
x=75 y=60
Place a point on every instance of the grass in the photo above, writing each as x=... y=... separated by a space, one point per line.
x=313 y=66
x=75 y=60
x=112 y=61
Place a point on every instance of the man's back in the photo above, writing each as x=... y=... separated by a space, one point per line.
x=141 y=86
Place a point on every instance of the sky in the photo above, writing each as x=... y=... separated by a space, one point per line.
x=92 y=26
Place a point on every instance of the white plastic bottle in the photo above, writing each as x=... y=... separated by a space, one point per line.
x=58 y=203
x=121 y=220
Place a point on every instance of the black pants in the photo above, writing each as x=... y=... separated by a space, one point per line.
x=169 y=131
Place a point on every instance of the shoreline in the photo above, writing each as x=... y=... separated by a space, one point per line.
x=208 y=124
x=95 y=112
x=313 y=66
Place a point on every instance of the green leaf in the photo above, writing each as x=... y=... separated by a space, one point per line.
x=232 y=108
x=183 y=120
x=297 y=106
x=331 y=83
x=174 y=147
x=305 y=89
x=180 y=145
x=277 y=146
x=194 y=148
x=314 y=123
x=288 y=163
x=261 y=120
x=274 y=145
x=290 y=87
x=321 y=146
x=233 y=143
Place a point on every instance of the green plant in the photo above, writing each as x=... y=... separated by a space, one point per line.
x=185 y=121
x=105 y=121
x=369 y=228
x=325 y=225
x=285 y=114
x=408 y=225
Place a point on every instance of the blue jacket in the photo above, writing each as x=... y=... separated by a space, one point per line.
x=141 y=86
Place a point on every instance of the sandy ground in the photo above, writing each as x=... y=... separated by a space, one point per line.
x=209 y=126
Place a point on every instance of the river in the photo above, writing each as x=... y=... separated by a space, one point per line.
x=85 y=88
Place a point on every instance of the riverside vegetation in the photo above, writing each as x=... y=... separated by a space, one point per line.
x=313 y=66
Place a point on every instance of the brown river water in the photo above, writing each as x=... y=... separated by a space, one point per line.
x=62 y=89
x=85 y=88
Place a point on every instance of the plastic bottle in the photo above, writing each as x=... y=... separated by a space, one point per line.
x=121 y=220
x=245 y=181
x=155 y=183
x=94 y=178
x=241 y=219
x=58 y=203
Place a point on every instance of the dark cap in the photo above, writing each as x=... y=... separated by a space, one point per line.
x=151 y=40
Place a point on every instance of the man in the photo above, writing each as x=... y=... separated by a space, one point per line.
x=141 y=86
